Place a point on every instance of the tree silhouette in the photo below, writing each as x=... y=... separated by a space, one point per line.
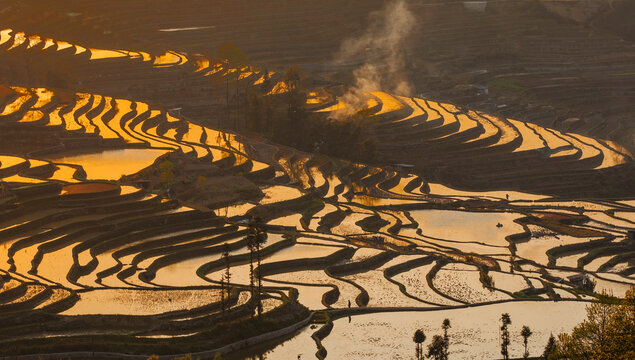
x=266 y=83
x=506 y=320
x=261 y=237
x=252 y=247
x=256 y=237
x=222 y=293
x=436 y=348
x=446 y=340
x=419 y=337
x=551 y=346
x=227 y=276
x=232 y=57
x=293 y=77
x=526 y=333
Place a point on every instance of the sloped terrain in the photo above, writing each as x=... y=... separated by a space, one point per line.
x=83 y=239
x=536 y=66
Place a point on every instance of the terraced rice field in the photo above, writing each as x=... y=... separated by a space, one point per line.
x=88 y=236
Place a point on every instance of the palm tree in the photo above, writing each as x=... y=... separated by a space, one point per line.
x=419 y=337
x=436 y=348
x=446 y=339
x=526 y=333
x=506 y=320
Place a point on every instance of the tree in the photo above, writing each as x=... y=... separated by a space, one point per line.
x=296 y=99
x=227 y=276
x=252 y=247
x=266 y=83
x=292 y=78
x=232 y=57
x=607 y=333
x=506 y=320
x=167 y=173
x=436 y=348
x=446 y=340
x=525 y=333
x=419 y=338
x=551 y=345
x=266 y=79
x=260 y=239
x=255 y=239
x=259 y=113
x=222 y=293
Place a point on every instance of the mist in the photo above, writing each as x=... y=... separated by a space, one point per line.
x=382 y=48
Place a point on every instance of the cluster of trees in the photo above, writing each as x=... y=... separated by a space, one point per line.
x=607 y=333
x=38 y=69
x=525 y=332
x=285 y=119
x=438 y=348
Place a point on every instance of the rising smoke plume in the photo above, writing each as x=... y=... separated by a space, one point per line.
x=382 y=48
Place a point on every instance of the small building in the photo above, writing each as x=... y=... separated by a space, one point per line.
x=481 y=90
x=582 y=281
x=176 y=112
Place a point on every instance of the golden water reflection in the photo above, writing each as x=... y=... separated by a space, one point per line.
x=111 y=164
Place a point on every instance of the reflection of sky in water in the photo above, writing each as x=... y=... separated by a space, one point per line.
x=140 y=302
x=474 y=332
x=112 y=164
x=467 y=226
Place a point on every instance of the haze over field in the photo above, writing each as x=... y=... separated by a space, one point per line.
x=383 y=58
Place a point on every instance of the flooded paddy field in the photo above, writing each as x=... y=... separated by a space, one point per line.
x=108 y=164
x=128 y=246
x=474 y=330
x=164 y=234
